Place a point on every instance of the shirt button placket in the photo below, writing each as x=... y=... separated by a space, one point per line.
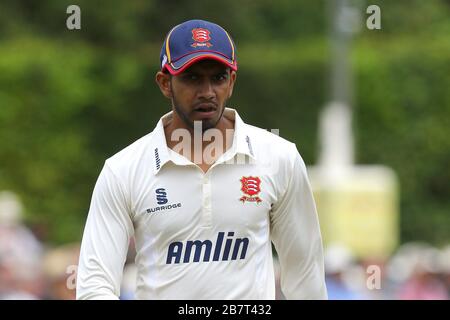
x=206 y=199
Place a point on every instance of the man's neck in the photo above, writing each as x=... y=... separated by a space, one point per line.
x=201 y=147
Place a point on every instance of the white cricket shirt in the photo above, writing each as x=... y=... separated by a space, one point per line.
x=204 y=235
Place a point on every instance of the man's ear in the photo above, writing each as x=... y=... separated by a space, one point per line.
x=233 y=76
x=163 y=81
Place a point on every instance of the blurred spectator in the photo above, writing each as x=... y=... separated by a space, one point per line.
x=416 y=267
x=378 y=284
x=60 y=265
x=20 y=253
x=423 y=285
x=29 y=271
x=444 y=264
x=343 y=276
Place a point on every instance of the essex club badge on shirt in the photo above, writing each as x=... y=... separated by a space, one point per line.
x=251 y=186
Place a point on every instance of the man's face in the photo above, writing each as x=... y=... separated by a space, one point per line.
x=200 y=93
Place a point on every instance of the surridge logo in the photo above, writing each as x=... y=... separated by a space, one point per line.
x=206 y=250
x=161 y=196
x=161 y=199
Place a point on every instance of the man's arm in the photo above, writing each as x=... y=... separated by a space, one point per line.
x=105 y=240
x=296 y=235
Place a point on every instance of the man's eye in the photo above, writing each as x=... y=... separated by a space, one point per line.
x=221 y=77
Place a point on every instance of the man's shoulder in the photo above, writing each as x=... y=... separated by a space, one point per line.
x=131 y=154
x=271 y=141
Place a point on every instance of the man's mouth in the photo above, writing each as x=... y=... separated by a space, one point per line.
x=205 y=107
x=205 y=111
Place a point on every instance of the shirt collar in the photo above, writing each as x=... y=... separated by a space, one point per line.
x=242 y=141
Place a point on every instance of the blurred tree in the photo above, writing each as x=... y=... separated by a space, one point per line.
x=70 y=99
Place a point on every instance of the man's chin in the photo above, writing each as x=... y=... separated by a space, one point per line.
x=207 y=120
x=204 y=124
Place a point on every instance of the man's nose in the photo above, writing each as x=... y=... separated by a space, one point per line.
x=206 y=89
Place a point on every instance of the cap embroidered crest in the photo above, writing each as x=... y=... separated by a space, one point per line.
x=201 y=37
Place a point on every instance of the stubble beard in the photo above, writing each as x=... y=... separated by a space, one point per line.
x=189 y=123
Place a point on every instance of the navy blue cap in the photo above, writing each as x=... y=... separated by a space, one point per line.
x=196 y=40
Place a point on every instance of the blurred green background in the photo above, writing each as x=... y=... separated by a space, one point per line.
x=71 y=99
